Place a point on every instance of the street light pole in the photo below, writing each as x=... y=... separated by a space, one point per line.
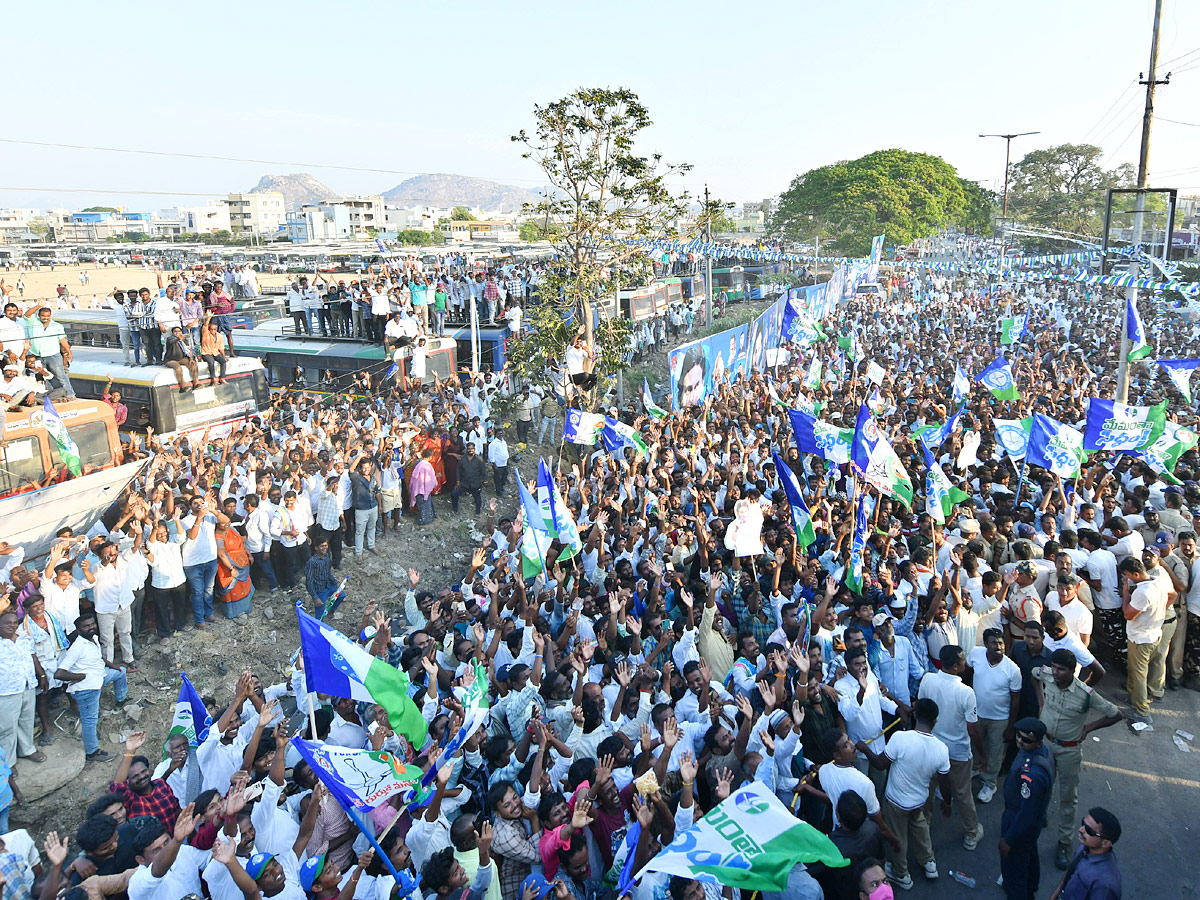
x=1008 y=139
x=708 y=285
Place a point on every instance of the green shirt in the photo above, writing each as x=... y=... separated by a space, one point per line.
x=44 y=340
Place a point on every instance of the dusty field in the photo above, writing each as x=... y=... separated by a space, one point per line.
x=102 y=279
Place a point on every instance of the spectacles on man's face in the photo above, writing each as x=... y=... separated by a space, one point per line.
x=1091 y=832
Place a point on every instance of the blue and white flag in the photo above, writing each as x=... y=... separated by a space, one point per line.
x=801 y=515
x=582 y=427
x=1139 y=346
x=1180 y=373
x=560 y=516
x=934 y=436
x=191 y=717
x=998 y=378
x=820 y=438
x=617 y=436
x=1122 y=427
x=1055 y=446
x=358 y=779
x=1013 y=435
x=858 y=544
x=962 y=385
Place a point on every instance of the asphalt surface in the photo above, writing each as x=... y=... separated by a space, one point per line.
x=1151 y=785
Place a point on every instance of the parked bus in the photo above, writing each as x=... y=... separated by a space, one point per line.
x=731 y=282
x=153 y=398
x=38 y=496
x=331 y=362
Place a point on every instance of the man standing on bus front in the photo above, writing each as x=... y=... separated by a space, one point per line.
x=48 y=342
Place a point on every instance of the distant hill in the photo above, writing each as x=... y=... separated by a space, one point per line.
x=297 y=189
x=459 y=190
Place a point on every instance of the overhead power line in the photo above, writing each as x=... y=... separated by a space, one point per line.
x=261 y=162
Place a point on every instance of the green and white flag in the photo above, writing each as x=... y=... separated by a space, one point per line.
x=653 y=411
x=1012 y=329
x=535 y=535
x=1055 y=446
x=998 y=378
x=67 y=451
x=813 y=378
x=940 y=492
x=886 y=472
x=1139 y=346
x=749 y=841
x=1121 y=427
x=1013 y=435
x=1163 y=455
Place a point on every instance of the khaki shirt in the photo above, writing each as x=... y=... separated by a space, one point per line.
x=1066 y=712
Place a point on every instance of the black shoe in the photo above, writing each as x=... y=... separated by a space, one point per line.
x=100 y=756
x=1172 y=684
x=1061 y=860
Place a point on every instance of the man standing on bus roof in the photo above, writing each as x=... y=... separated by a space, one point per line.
x=12 y=332
x=222 y=307
x=48 y=342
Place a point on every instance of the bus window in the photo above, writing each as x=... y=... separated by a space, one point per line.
x=22 y=464
x=205 y=403
x=92 y=440
x=441 y=364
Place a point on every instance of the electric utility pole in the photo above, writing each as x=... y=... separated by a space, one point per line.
x=708 y=285
x=1139 y=211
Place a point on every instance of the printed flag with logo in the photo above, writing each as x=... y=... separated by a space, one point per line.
x=998 y=378
x=1055 y=446
x=1121 y=426
x=801 y=515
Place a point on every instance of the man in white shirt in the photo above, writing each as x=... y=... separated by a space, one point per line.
x=258 y=541
x=169 y=868
x=957 y=728
x=843 y=774
x=85 y=673
x=1101 y=574
x=913 y=759
x=1144 y=602
x=997 y=686
x=1065 y=599
x=862 y=704
x=497 y=455
x=112 y=595
x=200 y=557
x=12 y=332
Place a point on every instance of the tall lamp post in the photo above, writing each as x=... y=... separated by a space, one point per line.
x=1008 y=139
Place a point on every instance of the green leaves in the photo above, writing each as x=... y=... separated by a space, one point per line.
x=1063 y=188
x=905 y=195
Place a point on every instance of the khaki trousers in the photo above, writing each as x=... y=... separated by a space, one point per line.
x=1145 y=675
x=964 y=799
x=992 y=733
x=1067 y=762
x=908 y=825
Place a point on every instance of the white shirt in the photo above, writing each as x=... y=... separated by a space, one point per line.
x=218 y=760
x=497 y=452
x=864 y=721
x=167 y=567
x=916 y=758
x=258 y=529
x=1079 y=617
x=1083 y=656
x=1146 y=627
x=992 y=684
x=1102 y=567
x=181 y=879
x=62 y=602
x=836 y=780
x=956 y=707
x=204 y=548
x=111 y=591
x=12 y=335
x=84 y=658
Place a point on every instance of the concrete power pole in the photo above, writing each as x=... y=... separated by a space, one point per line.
x=708 y=285
x=1151 y=82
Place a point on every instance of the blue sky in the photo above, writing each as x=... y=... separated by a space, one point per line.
x=750 y=94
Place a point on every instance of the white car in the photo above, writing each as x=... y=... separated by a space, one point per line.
x=868 y=289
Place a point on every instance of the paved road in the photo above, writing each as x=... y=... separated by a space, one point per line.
x=1152 y=786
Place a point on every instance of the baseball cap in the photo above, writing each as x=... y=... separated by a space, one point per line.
x=311 y=869
x=1026 y=530
x=880 y=618
x=1163 y=540
x=539 y=884
x=367 y=634
x=502 y=673
x=968 y=526
x=257 y=864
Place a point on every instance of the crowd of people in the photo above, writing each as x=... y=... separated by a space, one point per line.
x=645 y=677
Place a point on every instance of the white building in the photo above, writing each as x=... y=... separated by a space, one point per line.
x=212 y=217
x=257 y=213
x=318 y=222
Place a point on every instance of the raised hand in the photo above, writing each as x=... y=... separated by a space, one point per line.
x=222 y=851
x=724 y=783
x=185 y=824
x=413 y=577
x=582 y=817
x=134 y=742
x=56 y=850
x=687 y=767
x=269 y=711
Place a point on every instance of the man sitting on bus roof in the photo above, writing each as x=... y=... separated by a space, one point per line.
x=181 y=355
x=14 y=387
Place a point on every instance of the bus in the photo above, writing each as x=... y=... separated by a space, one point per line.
x=37 y=495
x=98 y=327
x=331 y=363
x=153 y=398
x=731 y=282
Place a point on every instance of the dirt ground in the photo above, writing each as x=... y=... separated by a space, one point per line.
x=102 y=279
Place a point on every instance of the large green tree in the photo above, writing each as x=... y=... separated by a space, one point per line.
x=1063 y=188
x=894 y=192
x=603 y=192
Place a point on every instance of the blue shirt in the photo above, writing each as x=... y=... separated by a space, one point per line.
x=1096 y=877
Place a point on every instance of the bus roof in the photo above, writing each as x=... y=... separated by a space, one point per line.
x=98 y=363
x=269 y=337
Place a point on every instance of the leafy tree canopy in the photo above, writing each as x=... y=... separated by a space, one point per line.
x=1063 y=188
x=894 y=192
x=585 y=144
x=111 y=209
x=461 y=214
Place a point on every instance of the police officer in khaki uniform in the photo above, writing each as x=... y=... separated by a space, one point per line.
x=1066 y=702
